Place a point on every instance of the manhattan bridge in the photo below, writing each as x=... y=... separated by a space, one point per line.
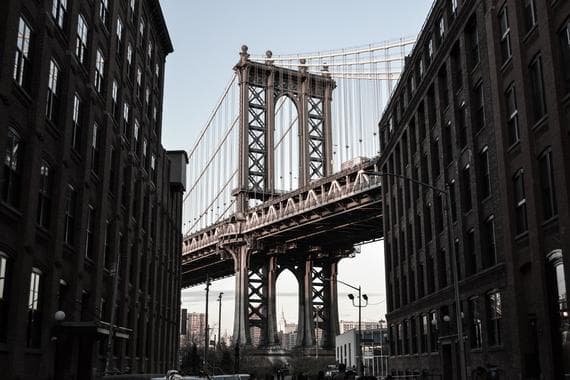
x=277 y=181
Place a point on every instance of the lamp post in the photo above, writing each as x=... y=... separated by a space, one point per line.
x=359 y=306
x=220 y=317
x=206 y=329
x=447 y=205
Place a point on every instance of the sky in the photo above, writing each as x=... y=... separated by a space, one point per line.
x=207 y=36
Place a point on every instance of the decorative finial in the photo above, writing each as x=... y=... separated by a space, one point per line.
x=244 y=56
x=303 y=65
x=268 y=54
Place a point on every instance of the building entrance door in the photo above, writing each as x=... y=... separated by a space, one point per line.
x=447 y=365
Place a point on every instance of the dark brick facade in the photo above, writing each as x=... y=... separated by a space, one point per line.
x=482 y=108
x=85 y=191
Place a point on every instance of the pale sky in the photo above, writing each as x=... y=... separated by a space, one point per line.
x=207 y=35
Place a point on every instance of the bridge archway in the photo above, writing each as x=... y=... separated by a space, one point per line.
x=287 y=143
x=287 y=302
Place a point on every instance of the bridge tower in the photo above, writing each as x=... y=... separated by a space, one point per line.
x=261 y=86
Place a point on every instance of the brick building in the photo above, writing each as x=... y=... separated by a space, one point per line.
x=482 y=109
x=87 y=191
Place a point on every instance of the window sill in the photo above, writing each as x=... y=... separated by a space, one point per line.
x=10 y=210
x=22 y=94
x=33 y=351
x=521 y=236
x=549 y=222
x=514 y=147
x=543 y=121
x=507 y=65
x=531 y=34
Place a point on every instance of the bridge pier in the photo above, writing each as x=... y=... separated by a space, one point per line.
x=241 y=256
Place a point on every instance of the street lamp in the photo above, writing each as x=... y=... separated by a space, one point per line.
x=206 y=329
x=359 y=305
x=447 y=204
x=220 y=317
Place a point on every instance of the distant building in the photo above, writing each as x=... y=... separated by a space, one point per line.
x=352 y=325
x=374 y=351
x=90 y=202
x=194 y=329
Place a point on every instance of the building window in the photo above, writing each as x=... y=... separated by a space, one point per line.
x=466 y=190
x=488 y=242
x=141 y=31
x=89 y=232
x=136 y=144
x=119 y=36
x=129 y=60
x=433 y=331
x=81 y=43
x=529 y=14
x=132 y=9
x=3 y=296
x=126 y=115
x=139 y=83
x=52 y=102
x=494 y=316
x=76 y=121
x=505 y=35
x=520 y=202
x=34 y=331
x=558 y=281
x=484 y=175
x=144 y=152
x=512 y=116
x=424 y=333
x=95 y=148
x=547 y=184
x=472 y=41
x=99 y=71
x=565 y=53
x=149 y=50
x=58 y=11
x=475 y=328
x=452 y=200
x=157 y=70
x=115 y=99
x=104 y=12
x=12 y=169
x=44 y=195
x=537 y=89
x=400 y=339
x=22 y=65
x=69 y=221
x=461 y=127
x=478 y=108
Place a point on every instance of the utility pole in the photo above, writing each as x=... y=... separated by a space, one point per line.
x=206 y=329
x=220 y=318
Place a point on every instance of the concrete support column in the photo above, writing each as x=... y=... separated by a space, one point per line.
x=271 y=333
x=305 y=329
x=241 y=325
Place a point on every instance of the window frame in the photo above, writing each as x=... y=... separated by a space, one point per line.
x=505 y=35
x=59 y=12
x=547 y=184
x=521 y=218
x=82 y=35
x=52 y=99
x=22 y=62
